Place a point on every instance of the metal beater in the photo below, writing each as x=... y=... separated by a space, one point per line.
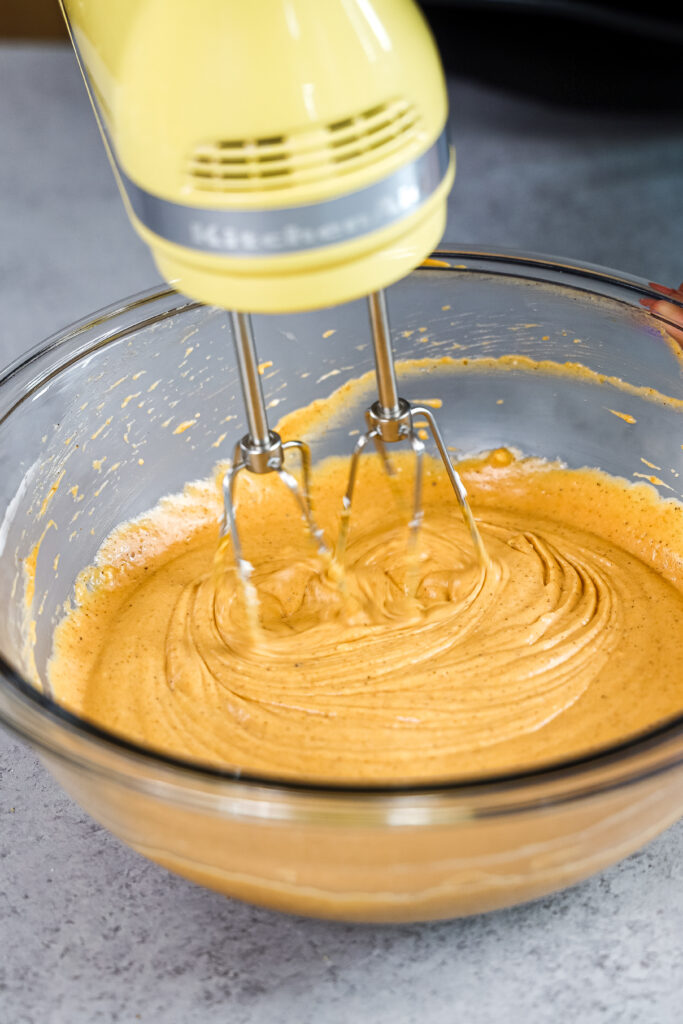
x=261 y=450
x=391 y=419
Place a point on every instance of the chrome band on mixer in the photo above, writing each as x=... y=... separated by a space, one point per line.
x=276 y=232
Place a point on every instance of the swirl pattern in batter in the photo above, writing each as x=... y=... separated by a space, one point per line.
x=571 y=639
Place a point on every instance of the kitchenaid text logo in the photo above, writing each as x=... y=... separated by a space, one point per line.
x=294 y=229
x=309 y=231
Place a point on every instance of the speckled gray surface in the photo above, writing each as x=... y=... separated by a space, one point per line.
x=91 y=932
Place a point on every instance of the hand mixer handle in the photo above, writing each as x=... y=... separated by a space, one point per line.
x=276 y=156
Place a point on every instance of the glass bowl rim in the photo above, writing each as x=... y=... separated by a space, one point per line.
x=587 y=277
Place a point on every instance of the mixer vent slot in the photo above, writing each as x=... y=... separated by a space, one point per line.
x=304 y=157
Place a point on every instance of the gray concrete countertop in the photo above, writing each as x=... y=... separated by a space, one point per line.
x=90 y=931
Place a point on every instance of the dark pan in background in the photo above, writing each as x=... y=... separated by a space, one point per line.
x=606 y=54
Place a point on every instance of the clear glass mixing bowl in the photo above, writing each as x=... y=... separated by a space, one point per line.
x=89 y=437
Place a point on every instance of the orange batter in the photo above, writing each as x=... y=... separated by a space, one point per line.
x=573 y=638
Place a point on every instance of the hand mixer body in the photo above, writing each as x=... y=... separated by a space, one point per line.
x=276 y=155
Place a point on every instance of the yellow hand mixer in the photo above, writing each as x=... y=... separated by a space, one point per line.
x=279 y=156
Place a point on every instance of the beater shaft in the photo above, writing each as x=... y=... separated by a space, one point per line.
x=387 y=387
x=250 y=380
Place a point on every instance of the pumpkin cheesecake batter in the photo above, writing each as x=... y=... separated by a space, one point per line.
x=571 y=639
